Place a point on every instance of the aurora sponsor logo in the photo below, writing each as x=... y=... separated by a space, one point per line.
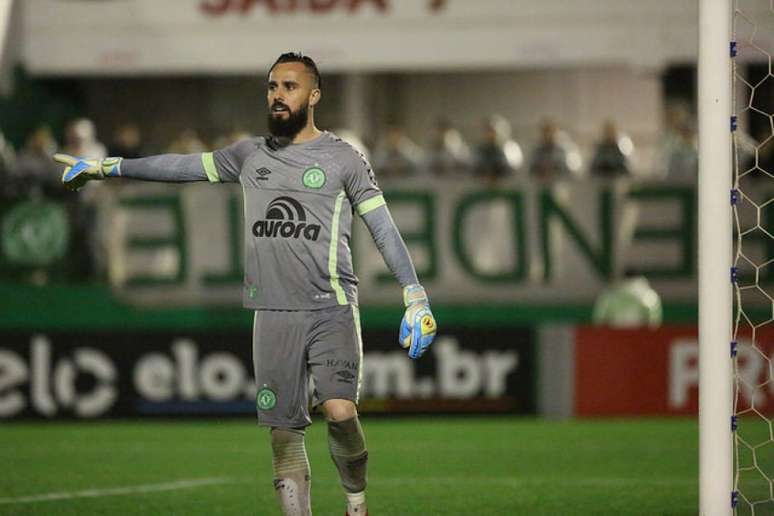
x=285 y=218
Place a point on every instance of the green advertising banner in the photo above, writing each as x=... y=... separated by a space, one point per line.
x=522 y=242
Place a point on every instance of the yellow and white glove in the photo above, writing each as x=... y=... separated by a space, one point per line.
x=78 y=171
x=417 y=329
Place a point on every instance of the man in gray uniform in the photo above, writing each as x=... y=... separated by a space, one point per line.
x=301 y=187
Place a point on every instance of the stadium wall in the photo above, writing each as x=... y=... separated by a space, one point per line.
x=550 y=250
x=552 y=371
x=557 y=244
x=198 y=36
x=126 y=373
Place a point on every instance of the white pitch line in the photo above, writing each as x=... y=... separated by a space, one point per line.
x=507 y=481
x=536 y=481
x=117 y=491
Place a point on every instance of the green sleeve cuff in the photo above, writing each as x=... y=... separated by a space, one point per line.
x=208 y=161
x=370 y=204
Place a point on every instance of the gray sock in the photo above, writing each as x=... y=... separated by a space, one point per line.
x=291 y=471
x=348 y=451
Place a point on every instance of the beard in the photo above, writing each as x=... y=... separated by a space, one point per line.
x=290 y=127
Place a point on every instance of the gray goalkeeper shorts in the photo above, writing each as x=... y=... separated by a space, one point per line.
x=292 y=347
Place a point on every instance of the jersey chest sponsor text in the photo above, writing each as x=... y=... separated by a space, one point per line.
x=285 y=218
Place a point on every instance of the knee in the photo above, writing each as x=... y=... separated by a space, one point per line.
x=339 y=410
x=281 y=437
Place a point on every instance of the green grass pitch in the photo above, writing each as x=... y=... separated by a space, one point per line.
x=445 y=466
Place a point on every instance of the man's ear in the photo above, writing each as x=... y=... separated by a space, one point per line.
x=315 y=97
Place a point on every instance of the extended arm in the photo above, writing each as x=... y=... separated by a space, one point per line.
x=223 y=165
x=168 y=168
x=171 y=168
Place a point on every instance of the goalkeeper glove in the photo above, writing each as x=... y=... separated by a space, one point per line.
x=417 y=329
x=78 y=171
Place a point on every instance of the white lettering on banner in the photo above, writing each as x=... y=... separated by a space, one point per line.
x=222 y=376
x=460 y=374
x=184 y=373
x=459 y=371
x=45 y=393
x=64 y=384
x=218 y=376
x=154 y=376
x=497 y=366
x=683 y=371
x=463 y=374
x=186 y=355
x=41 y=375
x=102 y=397
x=388 y=374
x=13 y=371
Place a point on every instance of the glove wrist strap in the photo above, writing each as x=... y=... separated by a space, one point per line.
x=413 y=294
x=110 y=167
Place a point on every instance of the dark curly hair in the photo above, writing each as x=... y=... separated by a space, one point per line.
x=298 y=57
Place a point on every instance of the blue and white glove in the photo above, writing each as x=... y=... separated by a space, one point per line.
x=417 y=329
x=78 y=171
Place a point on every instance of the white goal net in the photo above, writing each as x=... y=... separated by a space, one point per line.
x=752 y=197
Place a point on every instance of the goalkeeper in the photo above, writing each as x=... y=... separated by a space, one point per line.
x=301 y=188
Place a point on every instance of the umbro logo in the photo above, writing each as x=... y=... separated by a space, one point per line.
x=345 y=376
x=262 y=172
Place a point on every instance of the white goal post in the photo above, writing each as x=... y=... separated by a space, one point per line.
x=715 y=258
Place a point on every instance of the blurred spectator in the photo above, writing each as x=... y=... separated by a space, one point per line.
x=448 y=154
x=187 y=142
x=7 y=189
x=234 y=136
x=80 y=139
x=612 y=153
x=683 y=160
x=677 y=115
x=397 y=155
x=127 y=142
x=34 y=172
x=497 y=155
x=556 y=156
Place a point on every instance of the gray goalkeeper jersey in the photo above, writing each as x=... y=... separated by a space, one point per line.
x=299 y=202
